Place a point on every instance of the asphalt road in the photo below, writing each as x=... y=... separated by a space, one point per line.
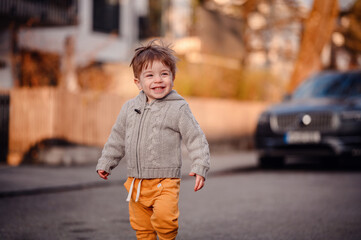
x=239 y=201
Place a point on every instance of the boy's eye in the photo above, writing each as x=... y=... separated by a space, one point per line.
x=165 y=74
x=149 y=75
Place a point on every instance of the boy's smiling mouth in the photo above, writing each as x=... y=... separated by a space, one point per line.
x=158 y=89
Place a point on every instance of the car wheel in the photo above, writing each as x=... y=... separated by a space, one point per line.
x=332 y=162
x=271 y=162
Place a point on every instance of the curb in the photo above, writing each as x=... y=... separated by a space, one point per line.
x=64 y=188
x=57 y=189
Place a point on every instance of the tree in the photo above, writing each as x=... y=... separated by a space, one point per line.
x=318 y=29
x=352 y=32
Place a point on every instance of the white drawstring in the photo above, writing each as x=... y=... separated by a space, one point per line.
x=138 y=191
x=131 y=190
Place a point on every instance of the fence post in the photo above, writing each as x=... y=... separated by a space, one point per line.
x=4 y=126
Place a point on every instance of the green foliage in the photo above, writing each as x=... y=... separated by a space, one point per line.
x=203 y=80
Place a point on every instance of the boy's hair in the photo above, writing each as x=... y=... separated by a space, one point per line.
x=145 y=55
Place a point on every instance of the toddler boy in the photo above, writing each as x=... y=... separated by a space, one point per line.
x=148 y=134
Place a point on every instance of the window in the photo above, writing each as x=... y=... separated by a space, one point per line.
x=151 y=25
x=106 y=15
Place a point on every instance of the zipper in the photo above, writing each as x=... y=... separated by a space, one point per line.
x=139 y=137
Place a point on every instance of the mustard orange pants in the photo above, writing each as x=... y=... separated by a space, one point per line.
x=156 y=211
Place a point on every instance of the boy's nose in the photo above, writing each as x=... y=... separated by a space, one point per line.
x=158 y=79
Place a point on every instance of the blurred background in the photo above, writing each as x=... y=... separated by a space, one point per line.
x=69 y=60
x=64 y=75
x=64 y=65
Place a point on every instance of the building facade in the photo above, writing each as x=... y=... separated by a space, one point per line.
x=101 y=31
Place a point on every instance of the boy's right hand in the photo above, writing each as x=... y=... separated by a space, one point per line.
x=103 y=174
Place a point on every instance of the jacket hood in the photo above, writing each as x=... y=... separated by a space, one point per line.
x=172 y=96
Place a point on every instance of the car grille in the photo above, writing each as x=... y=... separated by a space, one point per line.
x=322 y=121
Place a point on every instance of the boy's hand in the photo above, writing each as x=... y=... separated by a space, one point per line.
x=103 y=174
x=199 y=181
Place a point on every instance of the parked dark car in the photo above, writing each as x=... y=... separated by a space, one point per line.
x=321 y=119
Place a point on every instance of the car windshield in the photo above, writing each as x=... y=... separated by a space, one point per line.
x=334 y=85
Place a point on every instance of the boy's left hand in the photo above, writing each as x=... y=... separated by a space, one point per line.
x=199 y=181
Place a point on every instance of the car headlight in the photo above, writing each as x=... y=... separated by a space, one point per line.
x=351 y=115
x=264 y=118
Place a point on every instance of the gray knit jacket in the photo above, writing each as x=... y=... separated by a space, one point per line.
x=149 y=137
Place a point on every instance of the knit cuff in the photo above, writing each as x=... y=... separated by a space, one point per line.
x=104 y=166
x=200 y=170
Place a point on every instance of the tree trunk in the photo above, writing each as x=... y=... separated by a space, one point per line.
x=318 y=29
x=69 y=79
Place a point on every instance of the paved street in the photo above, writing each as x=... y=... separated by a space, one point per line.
x=240 y=201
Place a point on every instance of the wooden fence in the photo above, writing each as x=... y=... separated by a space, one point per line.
x=40 y=113
x=88 y=117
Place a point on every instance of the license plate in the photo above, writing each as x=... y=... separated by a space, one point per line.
x=303 y=137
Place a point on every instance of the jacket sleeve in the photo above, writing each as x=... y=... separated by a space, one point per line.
x=114 y=148
x=195 y=141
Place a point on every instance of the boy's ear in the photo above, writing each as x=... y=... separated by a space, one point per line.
x=137 y=82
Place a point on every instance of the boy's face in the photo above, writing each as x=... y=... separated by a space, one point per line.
x=156 y=80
